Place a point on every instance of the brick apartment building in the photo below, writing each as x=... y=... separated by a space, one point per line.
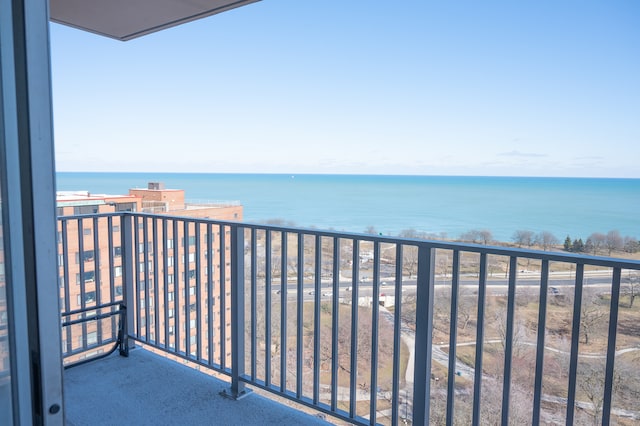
x=170 y=263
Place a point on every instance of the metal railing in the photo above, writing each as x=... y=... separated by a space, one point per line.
x=298 y=312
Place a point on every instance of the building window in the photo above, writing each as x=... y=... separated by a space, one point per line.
x=86 y=231
x=191 y=241
x=116 y=228
x=59 y=237
x=170 y=296
x=87 y=256
x=89 y=297
x=117 y=271
x=170 y=279
x=125 y=207
x=60 y=260
x=89 y=276
x=191 y=274
x=85 y=210
x=171 y=330
x=92 y=338
x=141 y=266
x=169 y=261
x=117 y=251
x=170 y=243
x=118 y=290
x=60 y=211
x=171 y=314
x=192 y=257
x=192 y=291
x=192 y=323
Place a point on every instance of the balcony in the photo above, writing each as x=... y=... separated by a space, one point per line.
x=359 y=328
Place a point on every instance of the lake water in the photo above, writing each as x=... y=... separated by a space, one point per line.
x=448 y=205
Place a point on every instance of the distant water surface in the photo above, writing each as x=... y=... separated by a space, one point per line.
x=435 y=204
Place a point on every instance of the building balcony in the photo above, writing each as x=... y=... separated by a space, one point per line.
x=353 y=328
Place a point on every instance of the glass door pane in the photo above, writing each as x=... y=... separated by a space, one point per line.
x=6 y=416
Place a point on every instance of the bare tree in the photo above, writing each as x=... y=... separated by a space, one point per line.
x=471 y=236
x=591 y=315
x=595 y=242
x=546 y=239
x=613 y=241
x=518 y=340
x=370 y=230
x=631 y=244
x=486 y=236
x=632 y=289
x=409 y=233
x=523 y=238
x=478 y=236
x=410 y=260
x=591 y=382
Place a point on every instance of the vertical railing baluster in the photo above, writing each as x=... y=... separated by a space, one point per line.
x=397 y=342
x=267 y=309
x=542 y=325
x=424 y=334
x=335 y=309
x=187 y=287
x=98 y=278
x=575 y=340
x=375 y=315
x=198 y=256
x=66 y=279
x=508 y=347
x=353 y=365
x=156 y=283
x=611 y=346
x=145 y=250
x=176 y=287
x=254 y=303
x=477 y=381
x=237 y=390
x=80 y=260
x=223 y=296
x=453 y=336
x=316 y=320
x=299 y=314
x=136 y=278
x=210 y=299
x=129 y=296
x=112 y=290
x=283 y=310
x=165 y=279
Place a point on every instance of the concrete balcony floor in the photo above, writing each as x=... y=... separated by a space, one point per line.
x=147 y=389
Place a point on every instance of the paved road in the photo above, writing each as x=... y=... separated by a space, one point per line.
x=565 y=279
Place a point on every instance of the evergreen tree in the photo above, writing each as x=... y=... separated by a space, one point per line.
x=567 y=244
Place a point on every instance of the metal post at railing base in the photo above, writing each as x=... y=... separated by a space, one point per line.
x=237 y=390
x=236 y=394
x=123 y=335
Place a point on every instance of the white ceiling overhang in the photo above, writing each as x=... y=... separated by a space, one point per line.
x=128 y=19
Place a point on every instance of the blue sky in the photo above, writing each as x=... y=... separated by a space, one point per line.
x=523 y=88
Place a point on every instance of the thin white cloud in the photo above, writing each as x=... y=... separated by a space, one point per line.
x=515 y=153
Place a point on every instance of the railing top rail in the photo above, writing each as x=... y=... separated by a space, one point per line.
x=602 y=261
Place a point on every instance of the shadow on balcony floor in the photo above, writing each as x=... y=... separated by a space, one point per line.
x=146 y=389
